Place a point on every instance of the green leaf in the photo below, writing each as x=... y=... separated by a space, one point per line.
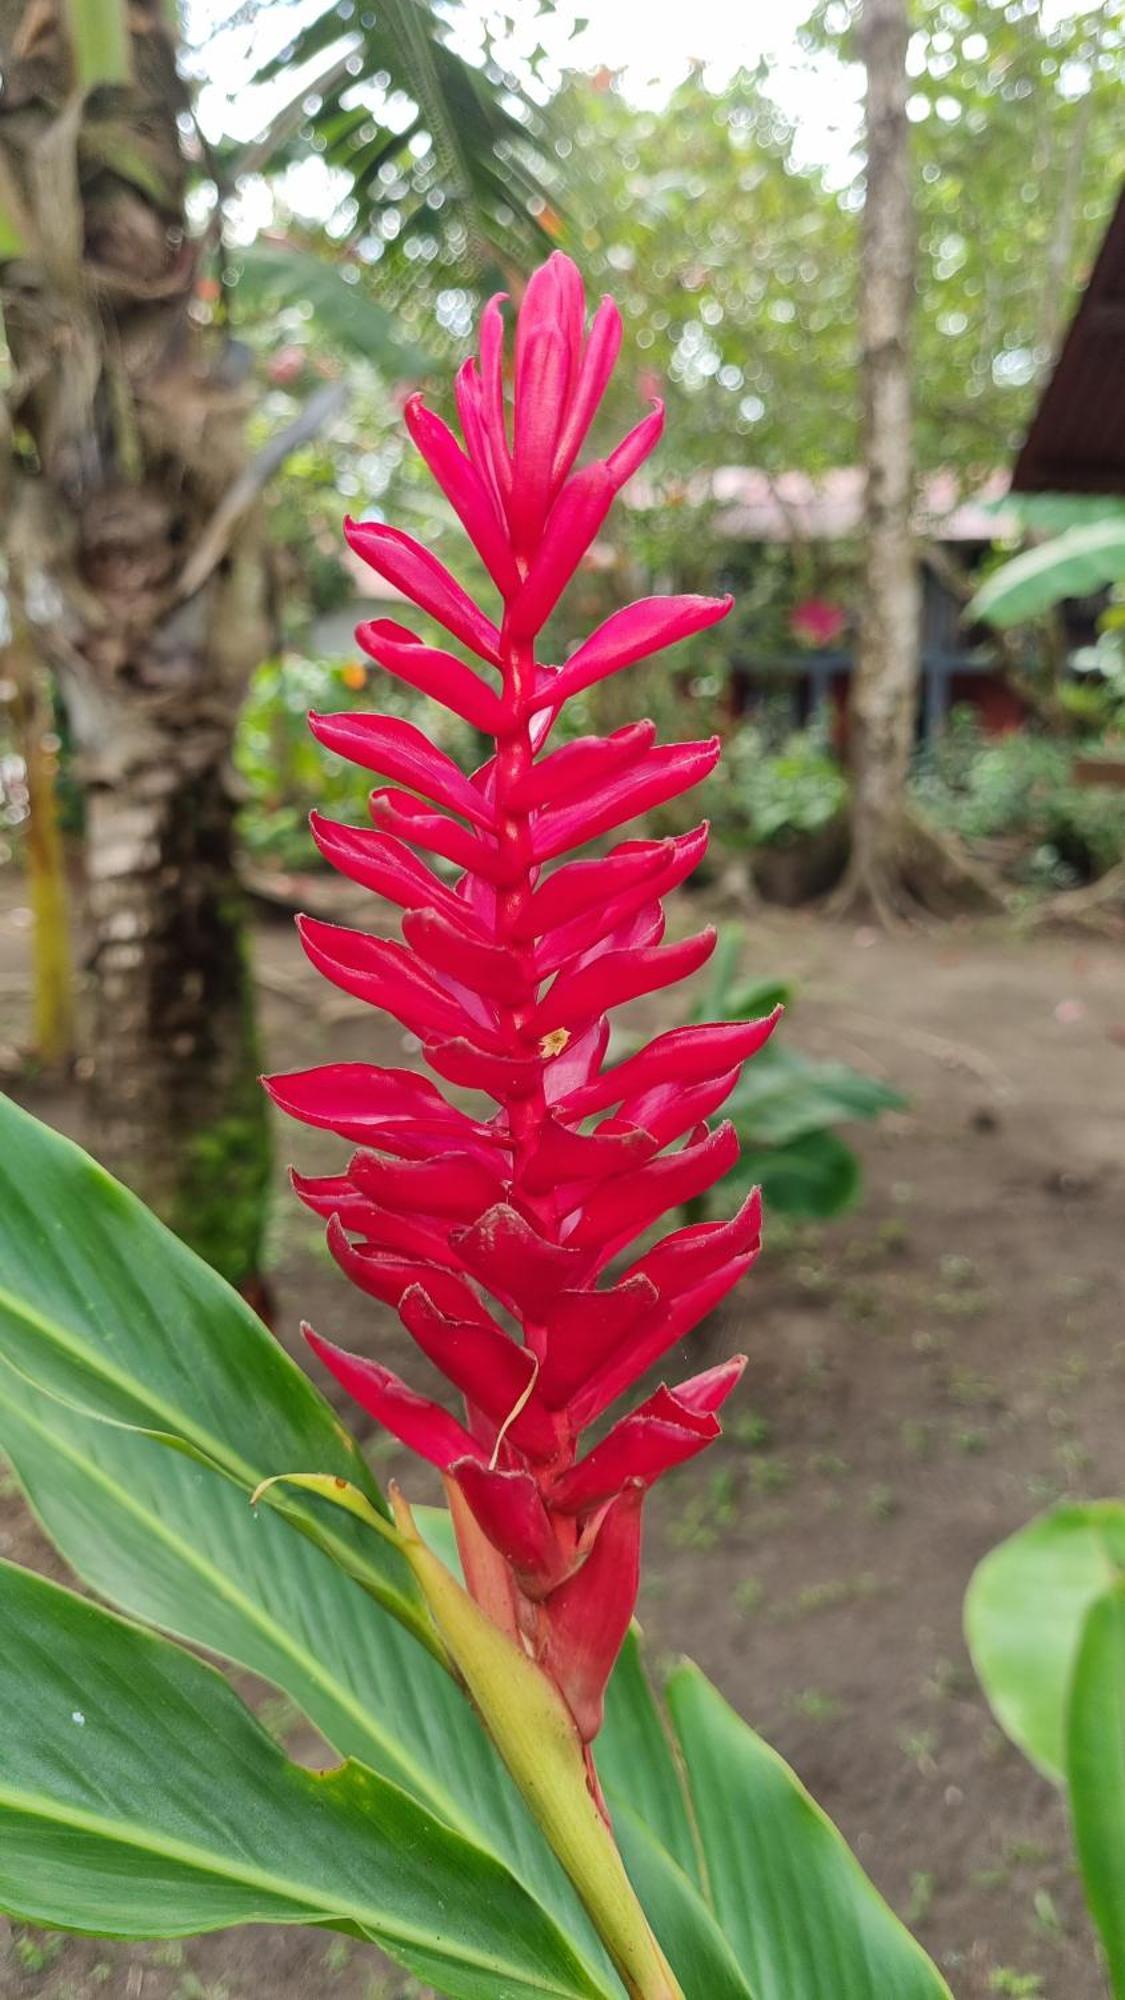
x=99 y=36
x=637 y=1762
x=1024 y=1615
x=758 y=997
x=1052 y=512
x=785 y=1097
x=1081 y=560
x=714 y=1000
x=1095 y=1764
x=171 y=1541
x=487 y=157
x=816 y=1176
x=800 y=1916
x=140 y=1798
x=104 y=1308
x=283 y=274
x=697 y=1951
x=640 y=1768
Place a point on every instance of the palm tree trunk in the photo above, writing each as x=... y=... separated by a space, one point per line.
x=884 y=691
x=135 y=518
x=153 y=685
x=176 y=1102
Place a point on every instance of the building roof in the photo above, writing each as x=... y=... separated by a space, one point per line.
x=797 y=506
x=755 y=506
x=1076 y=443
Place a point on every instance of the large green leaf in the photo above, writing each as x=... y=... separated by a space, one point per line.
x=99 y=1375
x=139 y=1797
x=640 y=1768
x=1024 y=1614
x=273 y=273
x=724 y=997
x=798 y=1913
x=171 y=1541
x=1081 y=560
x=1095 y=1753
x=764 y=1901
x=103 y=1307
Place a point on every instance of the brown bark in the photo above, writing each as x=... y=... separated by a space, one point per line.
x=128 y=420
x=885 y=683
x=1096 y=905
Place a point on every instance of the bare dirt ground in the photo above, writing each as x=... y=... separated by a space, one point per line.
x=925 y=1374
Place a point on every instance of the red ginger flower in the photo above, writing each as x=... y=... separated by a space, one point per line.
x=507 y=979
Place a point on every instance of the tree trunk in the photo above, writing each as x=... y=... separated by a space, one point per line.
x=175 y=1096
x=128 y=413
x=884 y=692
x=153 y=688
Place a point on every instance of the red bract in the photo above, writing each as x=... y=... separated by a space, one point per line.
x=494 y=1237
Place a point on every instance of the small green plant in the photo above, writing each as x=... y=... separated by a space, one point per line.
x=918 y=1746
x=1045 y=1621
x=786 y=1106
x=1018 y=1985
x=285 y=772
x=921 y=1897
x=814 y=1705
x=1018 y=793
x=36 y=1951
x=782 y=795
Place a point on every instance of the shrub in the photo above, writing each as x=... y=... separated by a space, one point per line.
x=1021 y=788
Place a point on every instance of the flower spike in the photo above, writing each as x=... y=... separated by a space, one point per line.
x=492 y=1236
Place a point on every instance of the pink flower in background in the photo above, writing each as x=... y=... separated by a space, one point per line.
x=507 y=1240
x=816 y=622
x=287 y=366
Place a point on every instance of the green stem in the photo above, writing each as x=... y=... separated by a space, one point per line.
x=534 y=1732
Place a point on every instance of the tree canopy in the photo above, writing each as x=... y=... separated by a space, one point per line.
x=735 y=257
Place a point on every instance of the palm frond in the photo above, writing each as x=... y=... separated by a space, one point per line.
x=380 y=84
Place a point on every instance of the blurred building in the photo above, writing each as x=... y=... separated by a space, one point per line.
x=818 y=521
x=799 y=652
x=1076 y=440
x=795 y=646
